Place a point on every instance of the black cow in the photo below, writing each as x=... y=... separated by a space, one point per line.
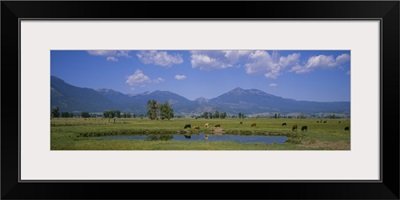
x=188 y=126
x=304 y=128
x=283 y=124
x=294 y=127
x=325 y=121
x=346 y=128
x=241 y=122
x=218 y=125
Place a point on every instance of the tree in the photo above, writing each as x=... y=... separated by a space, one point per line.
x=66 y=115
x=153 y=109
x=85 y=115
x=166 y=111
x=112 y=113
x=205 y=115
x=55 y=112
x=216 y=114
x=223 y=115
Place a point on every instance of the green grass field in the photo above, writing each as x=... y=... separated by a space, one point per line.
x=89 y=134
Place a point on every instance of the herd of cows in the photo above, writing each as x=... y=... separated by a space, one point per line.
x=294 y=127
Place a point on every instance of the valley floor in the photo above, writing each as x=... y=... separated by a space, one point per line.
x=90 y=134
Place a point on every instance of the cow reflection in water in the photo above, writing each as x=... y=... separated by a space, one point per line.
x=206 y=137
x=188 y=136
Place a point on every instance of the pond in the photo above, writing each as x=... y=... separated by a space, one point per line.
x=204 y=137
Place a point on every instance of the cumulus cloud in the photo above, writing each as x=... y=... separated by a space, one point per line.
x=321 y=61
x=273 y=85
x=271 y=65
x=215 y=59
x=180 y=77
x=112 y=58
x=139 y=79
x=160 y=58
x=110 y=54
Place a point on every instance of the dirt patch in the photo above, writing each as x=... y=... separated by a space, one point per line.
x=327 y=145
x=219 y=131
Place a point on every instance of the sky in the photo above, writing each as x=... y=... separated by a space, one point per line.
x=310 y=75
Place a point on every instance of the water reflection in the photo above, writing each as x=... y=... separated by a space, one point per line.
x=204 y=137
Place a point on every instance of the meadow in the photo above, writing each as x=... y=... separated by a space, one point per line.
x=90 y=133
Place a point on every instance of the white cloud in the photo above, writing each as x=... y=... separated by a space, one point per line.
x=321 y=61
x=111 y=58
x=270 y=65
x=180 y=77
x=139 y=79
x=160 y=58
x=273 y=85
x=215 y=59
x=110 y=54
x=158 y=80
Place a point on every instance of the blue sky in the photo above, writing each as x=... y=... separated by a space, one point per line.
x=299 y=74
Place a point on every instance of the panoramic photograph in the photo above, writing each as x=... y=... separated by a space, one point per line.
x=200 y=99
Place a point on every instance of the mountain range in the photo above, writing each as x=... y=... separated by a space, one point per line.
x=71 y=98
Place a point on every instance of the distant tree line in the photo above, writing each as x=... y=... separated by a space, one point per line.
x=55 y=113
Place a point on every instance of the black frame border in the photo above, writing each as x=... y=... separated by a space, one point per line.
x=386 y=11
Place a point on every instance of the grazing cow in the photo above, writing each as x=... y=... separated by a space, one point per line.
x=317 y=121
x=304 y=128
x=339 y=122
x=283 y=124
x=325 y=121
x=253 y=124
x=218 y=125
x=294 y=127
x=346 y=128
x=188 y=136
x=196 y=127
x=188 y=126
x=241 y=122
x=206 y=125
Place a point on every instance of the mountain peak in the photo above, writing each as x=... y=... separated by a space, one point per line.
x=108 y=91
x=161 y=92
x=237 y=91
x=201 y=100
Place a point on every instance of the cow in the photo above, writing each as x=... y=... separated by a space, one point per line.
x=283 y=124
x=206 y=137
x=253 y=124
x=187 y=126
x=188 y=136
x=241 y=123
x=218 y=125
x=294 y=127
x=339 y=122
x=346 y=128
x=325 y=121
x=206 y=125
x=304 y=128
x=196 y=127
x=317 y=121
